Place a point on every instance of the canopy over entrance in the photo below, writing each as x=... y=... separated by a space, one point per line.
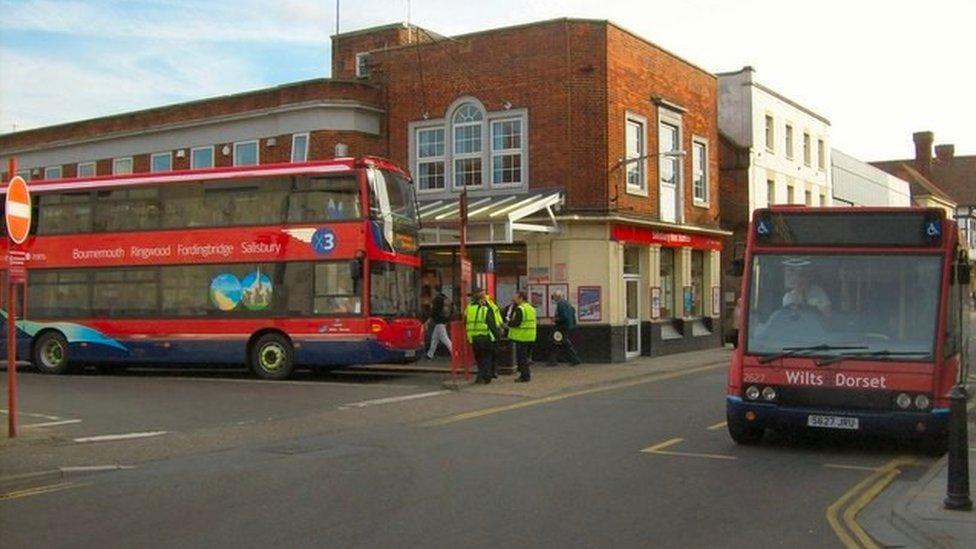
x=491 y=219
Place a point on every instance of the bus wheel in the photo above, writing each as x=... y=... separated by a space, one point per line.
x=272 y=357
x=742 y=432
x=51 y=353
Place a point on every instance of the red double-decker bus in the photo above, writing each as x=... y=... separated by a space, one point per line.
x=273 y=266
x=852 y=320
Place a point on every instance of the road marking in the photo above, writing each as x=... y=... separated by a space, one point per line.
x=717 y=426
x=42 y=416
x=42 y=490
x=660 y=450
x=124 y=436
x=51 y=423
x=555 y=398
x=859 y=496
x=851 y=467
x=323 y=383
x=390 y=400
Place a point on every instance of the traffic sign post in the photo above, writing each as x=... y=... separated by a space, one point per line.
x=17 y=214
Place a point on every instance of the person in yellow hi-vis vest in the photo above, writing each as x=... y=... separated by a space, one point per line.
x=522 y=331
x=481 y=326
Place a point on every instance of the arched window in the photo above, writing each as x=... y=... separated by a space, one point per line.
x=467 y=131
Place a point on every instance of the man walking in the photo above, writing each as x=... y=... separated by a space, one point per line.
x=565 y=320
x=481 y=325
x=522 y=331
x=439 y=315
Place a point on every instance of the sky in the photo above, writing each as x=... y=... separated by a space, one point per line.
x=878 y=69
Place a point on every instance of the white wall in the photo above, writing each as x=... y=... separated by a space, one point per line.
x=857 y=183
x=743 y=106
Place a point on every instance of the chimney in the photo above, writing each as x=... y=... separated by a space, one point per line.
x=923 y=152
x=945 y=152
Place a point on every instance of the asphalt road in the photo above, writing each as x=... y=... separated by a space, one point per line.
x=375 y=465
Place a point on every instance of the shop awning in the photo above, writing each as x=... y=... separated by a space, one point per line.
x=491 y=219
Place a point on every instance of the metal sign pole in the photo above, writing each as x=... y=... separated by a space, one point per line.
x=11 y=331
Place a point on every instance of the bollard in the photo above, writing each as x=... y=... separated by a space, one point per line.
x=957 y=484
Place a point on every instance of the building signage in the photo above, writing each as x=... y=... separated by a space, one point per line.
x=644 y=235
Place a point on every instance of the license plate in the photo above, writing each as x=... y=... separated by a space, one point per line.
x=832 y=422
x=410 y=354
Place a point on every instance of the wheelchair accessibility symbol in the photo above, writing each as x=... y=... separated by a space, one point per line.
x=932 y=229
x=323 y=241
x=762 y=228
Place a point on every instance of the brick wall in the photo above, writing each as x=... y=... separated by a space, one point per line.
x=553 y=69
x=639 y=71
x=208 y=108
x=346 y=46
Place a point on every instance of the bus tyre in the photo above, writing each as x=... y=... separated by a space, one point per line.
x=51 y=353
x=742 y=432
x=272 y=357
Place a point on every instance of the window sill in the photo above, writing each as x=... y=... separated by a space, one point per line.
x=700 y=204
x=637 y=191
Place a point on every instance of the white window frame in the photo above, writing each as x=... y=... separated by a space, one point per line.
x=487 y=142
x=770 y=132
x=790 y=193
x=115 y=165
x=821 y=154
x=362 y=64
x=295 y=136
x=770 y=196
x=808 y=198
x=697 y=141
x=807 y=149
x=442 y=158
x=788 y=137
x=212 y=157
x=48 y=171
x=673 y=118
x=94 y=169
x=152 y=161
x=257 y=151
x=641 y=190
x=455 y=156
x=505 y=152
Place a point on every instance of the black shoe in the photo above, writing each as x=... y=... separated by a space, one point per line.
x=522 y=380
x=575 y=363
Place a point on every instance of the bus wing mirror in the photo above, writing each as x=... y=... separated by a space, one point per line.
x=738 y=267
x=964 y=273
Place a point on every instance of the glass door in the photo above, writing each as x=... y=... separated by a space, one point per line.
x=668 y=198
x=632 y=310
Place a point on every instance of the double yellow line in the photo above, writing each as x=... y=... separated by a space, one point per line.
x=38 y=490
x=844 y=523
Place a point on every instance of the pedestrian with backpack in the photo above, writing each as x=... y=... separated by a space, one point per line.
x=564 y=321
x=440 y=314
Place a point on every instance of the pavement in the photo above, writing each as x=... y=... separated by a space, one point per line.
x=911 y=513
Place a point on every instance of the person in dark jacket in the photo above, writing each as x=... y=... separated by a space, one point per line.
x=481 y=326
x=564 y=321
x=439 y=316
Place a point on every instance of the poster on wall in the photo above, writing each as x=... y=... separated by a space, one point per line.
x=538 y=275
x=655 y=303
x=589 y=303
x=553 y=288
x=716 y=300
x=559 y=272
x=538 y=299
x=689 y=301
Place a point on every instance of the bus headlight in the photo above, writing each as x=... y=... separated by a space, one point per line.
x=769 y=394
x=752 y=393
x=903 y=401
x=922 y=402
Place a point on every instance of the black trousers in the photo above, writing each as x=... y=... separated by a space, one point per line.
x=523 y=357
x=484 y=356
x=564 y=347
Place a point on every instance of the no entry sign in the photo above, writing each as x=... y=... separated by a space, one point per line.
x=18 y=210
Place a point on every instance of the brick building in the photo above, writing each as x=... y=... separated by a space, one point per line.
x=589 y=156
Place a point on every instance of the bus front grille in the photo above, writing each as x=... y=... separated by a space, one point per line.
x=808 y=397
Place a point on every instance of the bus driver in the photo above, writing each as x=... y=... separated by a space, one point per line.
x=805 y=292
